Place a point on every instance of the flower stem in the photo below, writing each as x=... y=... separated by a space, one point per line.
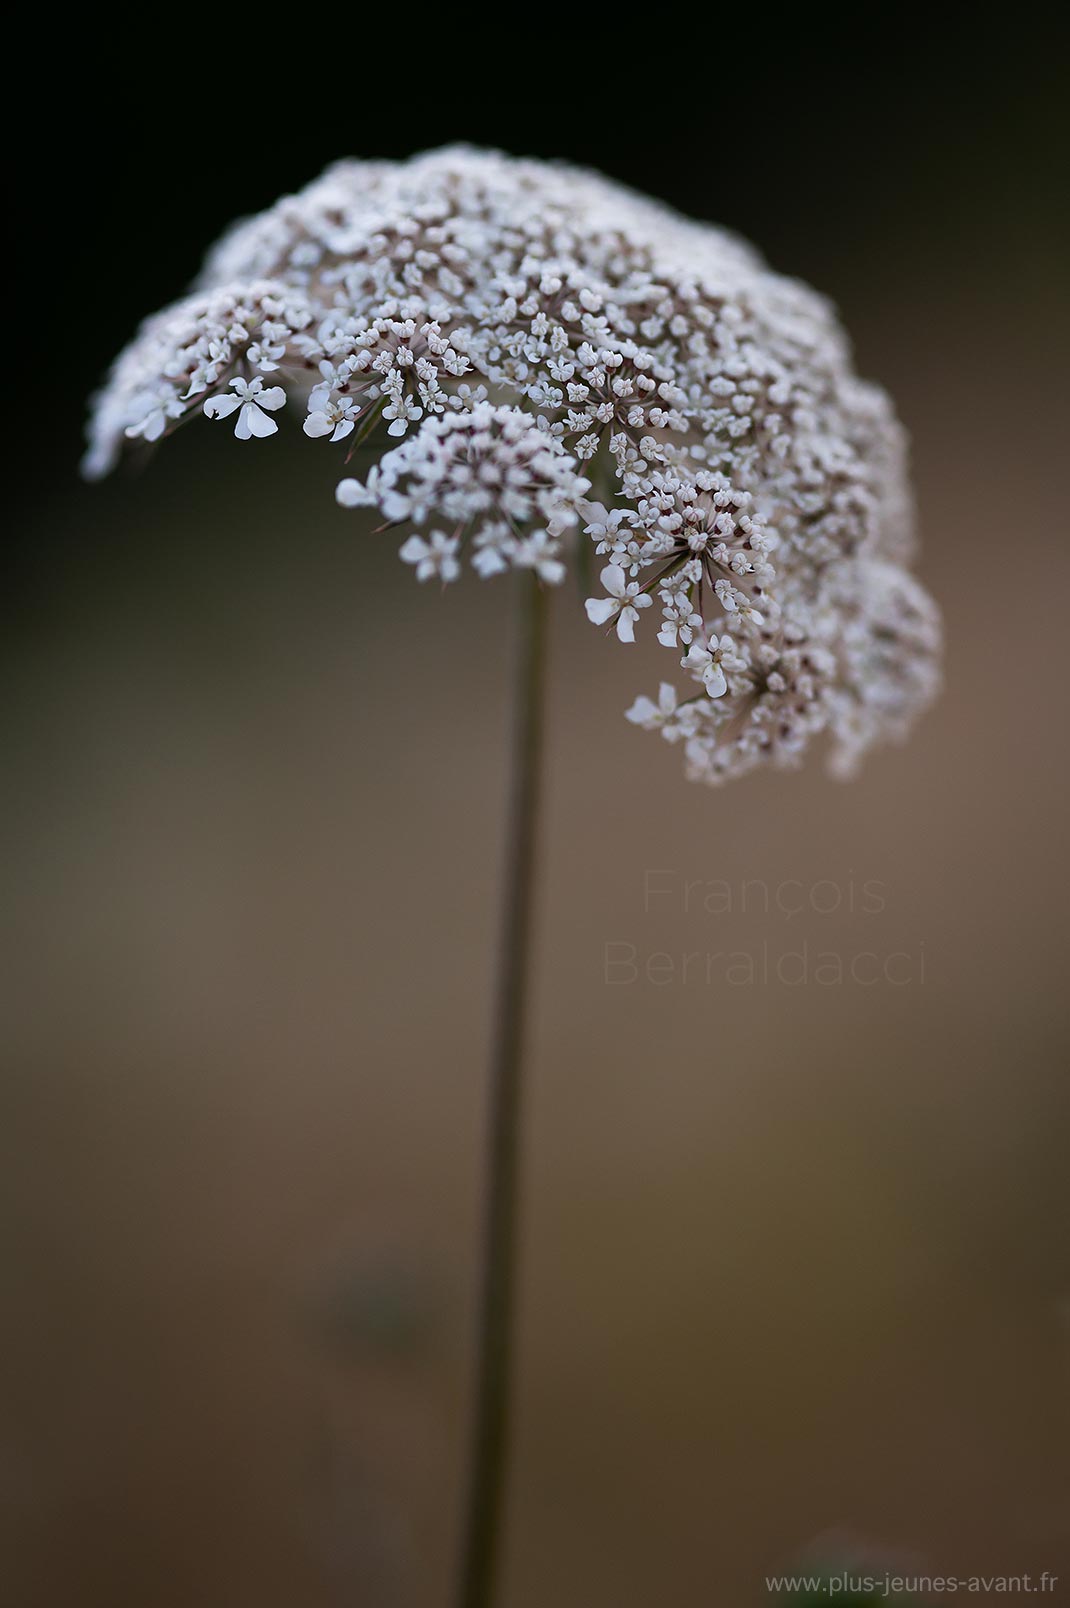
x=489 y=1446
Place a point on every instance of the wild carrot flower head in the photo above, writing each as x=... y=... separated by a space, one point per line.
x=534 y=356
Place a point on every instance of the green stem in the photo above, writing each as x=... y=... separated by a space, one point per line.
x=489 y=1446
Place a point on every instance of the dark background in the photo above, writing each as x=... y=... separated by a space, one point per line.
x=835 y=146
x=795 y=1260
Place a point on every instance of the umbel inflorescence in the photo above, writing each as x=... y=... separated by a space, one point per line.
x=539 y=357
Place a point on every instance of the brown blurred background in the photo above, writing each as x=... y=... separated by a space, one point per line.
x=794 y=1254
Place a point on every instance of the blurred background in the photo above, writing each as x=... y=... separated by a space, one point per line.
x=795 y=1271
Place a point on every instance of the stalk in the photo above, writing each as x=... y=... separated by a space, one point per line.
x=489 y=1443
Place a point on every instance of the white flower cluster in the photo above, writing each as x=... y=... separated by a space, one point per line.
x=493 y=473
x=210 y=352
x=552 y=353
